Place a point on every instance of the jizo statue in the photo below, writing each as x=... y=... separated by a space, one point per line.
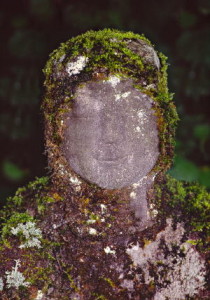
x=107 y=223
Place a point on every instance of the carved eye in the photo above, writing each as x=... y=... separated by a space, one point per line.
x=85 y=114
x=84 y=117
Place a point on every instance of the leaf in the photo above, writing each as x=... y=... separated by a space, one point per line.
x=204 y=177
x=202 y=132
x=184 y=169
x=12 y=171
x=187 y=19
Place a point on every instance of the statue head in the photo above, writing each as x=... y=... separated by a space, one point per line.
x=106 y=109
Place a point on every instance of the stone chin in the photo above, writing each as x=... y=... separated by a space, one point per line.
x=114 y=174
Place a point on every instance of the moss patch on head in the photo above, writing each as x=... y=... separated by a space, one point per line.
x=104 y=48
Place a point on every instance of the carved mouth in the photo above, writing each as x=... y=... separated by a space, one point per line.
x=111 y=160
x=110 y=155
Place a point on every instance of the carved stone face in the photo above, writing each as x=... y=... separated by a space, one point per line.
x=111 y=136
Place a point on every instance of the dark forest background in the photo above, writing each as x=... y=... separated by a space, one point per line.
x=31 y=29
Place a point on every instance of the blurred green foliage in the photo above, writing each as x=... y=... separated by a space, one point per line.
x=31 y=29
x=11 y=171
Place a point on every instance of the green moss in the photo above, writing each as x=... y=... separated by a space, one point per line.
x=42 y=203
x=108 y=52
x=36 y=185
x=12 y=213
x=18 y=197
x=109 y=281
x=100 y=47
x=99 y=297
x=185 y=201
x=67 y=271
x=38 y=274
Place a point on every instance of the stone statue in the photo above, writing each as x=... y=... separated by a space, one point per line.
x=111 y=137
x=107 y=223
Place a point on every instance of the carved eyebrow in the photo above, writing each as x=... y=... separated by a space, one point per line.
x=85 y=114
x=84 y=117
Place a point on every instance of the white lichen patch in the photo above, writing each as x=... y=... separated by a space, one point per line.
x=172 y=236
x=142 y=116
x=103 y=208
x=184 y=273
x=77 y=66
x=61 y=170
x=126 y=94
x=78 y=188
x=54 y=226
x=30 y=233
x=73 y=179
x=122 y=96
x=62 y=58
x=91 y=221
x=150 y=86
x=187 y=279
x=1 y=284
x=92 y=231
x=108 y=250
x=113 y=80
x=133 y=195
x=137 y=129
x=59 y=60
x=153 y=211
x=127 y=284
x=136 y=185
x=118 y=97
x=154 y=176
x=76 y=182
x=39 y=295
x=113 y=40
x=15 y=278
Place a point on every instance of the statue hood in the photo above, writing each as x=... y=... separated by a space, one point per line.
x=95 y=56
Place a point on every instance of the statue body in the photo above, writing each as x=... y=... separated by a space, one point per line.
x=108 y=223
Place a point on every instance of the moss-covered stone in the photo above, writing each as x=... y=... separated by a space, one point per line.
x=186 y=202
x=13 y=221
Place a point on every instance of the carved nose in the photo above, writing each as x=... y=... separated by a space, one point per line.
x=112 y=130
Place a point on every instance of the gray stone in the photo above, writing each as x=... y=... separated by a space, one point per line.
x=145 y=51
x=111 y=135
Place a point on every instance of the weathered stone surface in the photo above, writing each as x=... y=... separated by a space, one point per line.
x=108 y=224
x=111 y=135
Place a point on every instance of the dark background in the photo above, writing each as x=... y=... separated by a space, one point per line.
x=31 y=29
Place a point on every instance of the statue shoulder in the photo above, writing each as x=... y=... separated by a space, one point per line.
x=184 y=201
